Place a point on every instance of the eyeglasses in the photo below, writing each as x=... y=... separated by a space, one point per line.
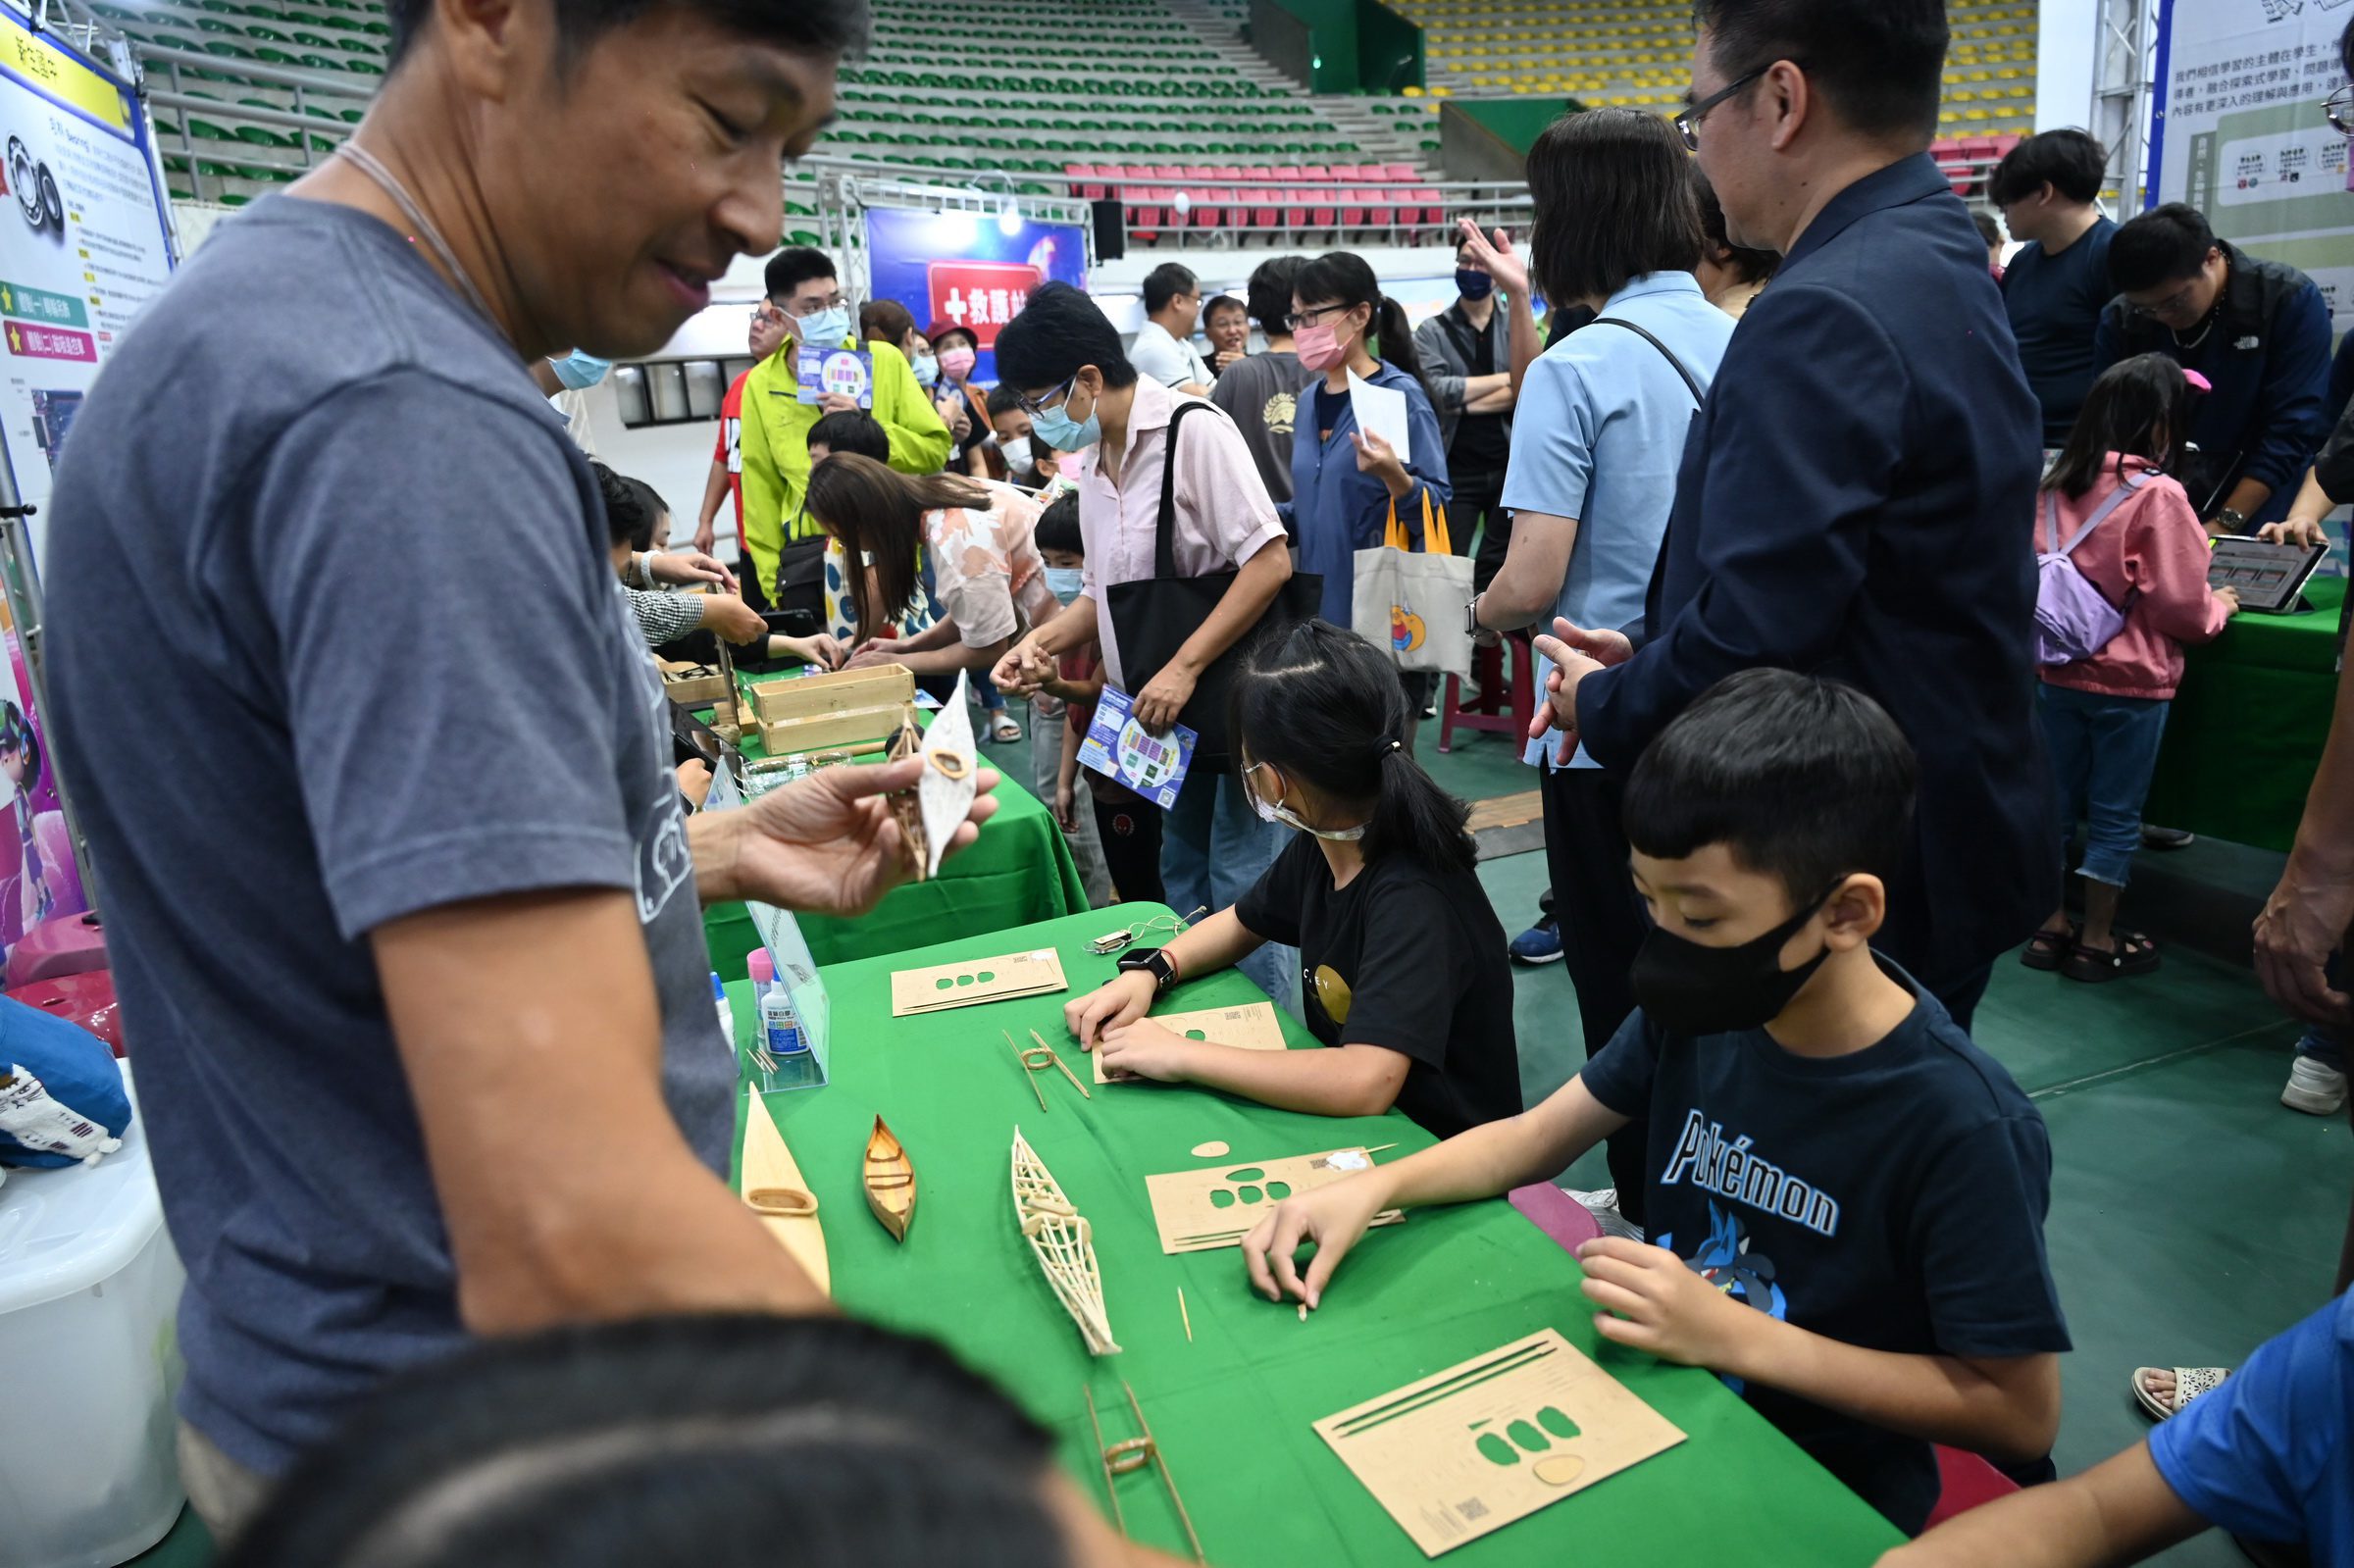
x=1057 y=394
x=1309 y=318
x=2339 y=110
x=1687 y=123
x=2172 y=305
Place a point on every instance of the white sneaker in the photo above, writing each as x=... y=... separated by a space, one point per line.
x=1603 y=1204
x=2313 y=1088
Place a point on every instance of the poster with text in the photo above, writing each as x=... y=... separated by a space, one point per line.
x=965 y=268
x=2240 y=135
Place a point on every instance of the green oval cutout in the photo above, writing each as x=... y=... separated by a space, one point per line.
x=987 y=976
x=1497 y=1452
x=946 y=983
x=1529 y=1438
x=1194 y=1033
x=1277 y=1191
x=1249 y=1194
x=1557 y=1422
x=1249 y=1173
x=964 y=979
x=1220 y=1198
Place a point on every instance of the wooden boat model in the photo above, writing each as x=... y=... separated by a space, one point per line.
x=890 y=1180
x=773 y=1189
x=1063 y=1242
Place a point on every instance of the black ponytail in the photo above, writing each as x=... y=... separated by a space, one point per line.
x=1343 y=277
x=1320 y=704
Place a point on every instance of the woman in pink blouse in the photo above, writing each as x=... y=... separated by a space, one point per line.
x=967 y=539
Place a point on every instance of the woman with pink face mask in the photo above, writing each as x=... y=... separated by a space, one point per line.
x=1345 y=479
x=964 y=405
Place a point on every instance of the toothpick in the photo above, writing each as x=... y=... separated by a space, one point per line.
x=1187 y=1316
x=1378 y=1147
x=1028 y=1076
x=1056 y=1057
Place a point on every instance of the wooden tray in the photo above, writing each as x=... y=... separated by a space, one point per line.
x=844 y=690
x=694 y=686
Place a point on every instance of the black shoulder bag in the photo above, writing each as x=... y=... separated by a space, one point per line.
x=1153 y=616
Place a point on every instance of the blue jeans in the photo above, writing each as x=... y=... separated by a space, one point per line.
x=2104 y=750
x=1212 y=849
x=2323 y=1045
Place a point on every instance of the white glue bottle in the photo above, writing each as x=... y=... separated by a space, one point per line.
x=780 y=1029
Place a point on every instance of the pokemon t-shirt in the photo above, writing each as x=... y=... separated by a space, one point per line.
x=1892 y=1198
x=1407 y=958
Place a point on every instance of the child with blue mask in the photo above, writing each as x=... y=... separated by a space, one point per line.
x=1407 y=980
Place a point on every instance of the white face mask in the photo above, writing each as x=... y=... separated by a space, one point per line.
x=1017 y=454
x=1286 y=817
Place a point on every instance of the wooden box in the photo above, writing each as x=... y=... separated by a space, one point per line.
x=810 y=695
x=694 y=686
x=820 y=732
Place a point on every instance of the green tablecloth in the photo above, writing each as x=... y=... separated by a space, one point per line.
x=1234 y=1408
x=2247 y=726
x=1019 y=871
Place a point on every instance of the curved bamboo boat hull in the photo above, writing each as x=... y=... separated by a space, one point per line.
x=774 y=1188
x=890 y=1182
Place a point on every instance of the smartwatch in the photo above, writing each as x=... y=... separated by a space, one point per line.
x=2232 y=520
x=1153 y=961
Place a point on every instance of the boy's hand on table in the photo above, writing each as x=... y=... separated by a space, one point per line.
x=826 y=844
x=1333 y=1217
x=1661 y=1305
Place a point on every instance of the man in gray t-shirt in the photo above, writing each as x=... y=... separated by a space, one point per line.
x=1261 y=390
x=401 y=902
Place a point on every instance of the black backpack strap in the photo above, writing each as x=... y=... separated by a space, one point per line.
x=1164 y=540
x=1698 y=396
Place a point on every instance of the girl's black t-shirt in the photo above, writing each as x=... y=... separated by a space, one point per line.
x=1407 y=957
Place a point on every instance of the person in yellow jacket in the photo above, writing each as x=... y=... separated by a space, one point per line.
x=786 y=549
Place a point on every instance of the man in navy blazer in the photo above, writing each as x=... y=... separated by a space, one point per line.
x=1856 y=497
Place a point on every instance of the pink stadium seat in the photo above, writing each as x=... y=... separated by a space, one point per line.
x=1434 y=209
x=1402 y=174
x=1287 y=172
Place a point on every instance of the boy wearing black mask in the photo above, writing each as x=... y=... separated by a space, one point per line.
x=1847 y=1195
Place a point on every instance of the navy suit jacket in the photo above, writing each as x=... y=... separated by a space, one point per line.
x=1855 y=502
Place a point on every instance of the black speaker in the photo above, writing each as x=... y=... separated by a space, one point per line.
x=1111 y=229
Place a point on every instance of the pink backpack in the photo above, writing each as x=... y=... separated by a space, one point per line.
x=2072 y=619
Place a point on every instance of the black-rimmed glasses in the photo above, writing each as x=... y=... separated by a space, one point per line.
x=1039 y=405
x=1687 y=123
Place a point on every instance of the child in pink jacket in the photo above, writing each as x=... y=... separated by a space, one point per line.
x=2104 y=716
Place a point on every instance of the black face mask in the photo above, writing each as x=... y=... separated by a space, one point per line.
x=1690 y=989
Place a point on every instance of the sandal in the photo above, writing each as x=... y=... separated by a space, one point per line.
x=2134 y=954
x=2049 y=949
x=1004 y=729
x=2189 y=1384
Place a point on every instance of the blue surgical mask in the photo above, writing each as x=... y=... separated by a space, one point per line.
x=1067 y=582
x=825 y=330
x=927 y=370
x=1472 y=283
x=1057 y=427
x=580 y=370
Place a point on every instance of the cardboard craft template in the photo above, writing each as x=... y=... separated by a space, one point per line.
x=1216 y=1206
x=976 y=981
x=1250 y=1028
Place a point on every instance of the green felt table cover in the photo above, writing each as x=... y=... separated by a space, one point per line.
x=1234 y=1409
x=2246 y=729
x=1020 y=870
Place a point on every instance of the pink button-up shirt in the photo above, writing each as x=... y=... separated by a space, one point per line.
x=1224 y=514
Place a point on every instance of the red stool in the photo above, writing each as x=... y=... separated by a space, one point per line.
x=1504 y=706
x=1966 y=1481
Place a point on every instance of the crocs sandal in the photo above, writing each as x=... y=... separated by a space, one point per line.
x=1004 y=729
x=2189 y=1384
x=2134 y=954
x=2049 y=949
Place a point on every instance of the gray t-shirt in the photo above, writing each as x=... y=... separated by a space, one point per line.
x=335 y=641
x=1261 y=391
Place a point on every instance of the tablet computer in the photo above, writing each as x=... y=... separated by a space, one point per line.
x=2266 y=576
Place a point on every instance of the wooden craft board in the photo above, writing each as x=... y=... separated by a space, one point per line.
x=1004 y=977
x=768 y=1163
x=888 y=686
x=1251 y=1026
x=1188 y=1213
x=1466 y=1451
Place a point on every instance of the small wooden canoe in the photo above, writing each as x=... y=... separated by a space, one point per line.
x=772 y=1188
x=890 y=1182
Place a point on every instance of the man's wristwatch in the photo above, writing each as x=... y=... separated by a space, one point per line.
x=2231 y=522
x=1154 y=961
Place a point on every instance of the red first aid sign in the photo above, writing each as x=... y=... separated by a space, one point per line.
x=981 y=296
